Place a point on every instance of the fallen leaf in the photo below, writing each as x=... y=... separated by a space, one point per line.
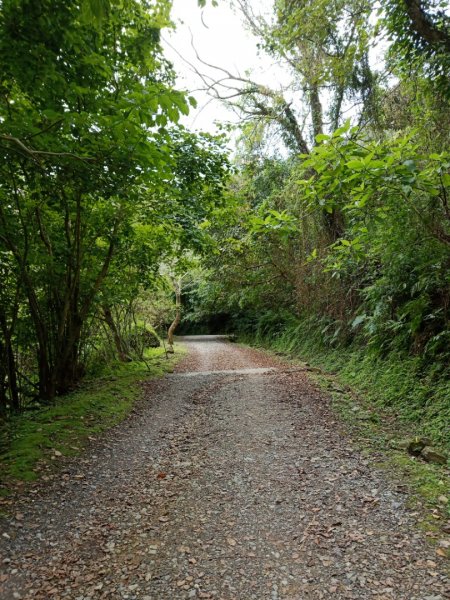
x=231 y=541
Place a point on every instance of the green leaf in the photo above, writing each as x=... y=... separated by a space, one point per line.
x=376 y=164
x=410 y=165
x=355 y=164
x=358 y=320
x=343 y=129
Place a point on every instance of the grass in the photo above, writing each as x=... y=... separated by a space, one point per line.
x=36 y=440
x=379 y=434
x=383 y=403
x=396 y=386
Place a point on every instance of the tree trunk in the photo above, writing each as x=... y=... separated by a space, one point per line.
x=423 y=25
x=10 y=364
x=334 y=224
x=177 y=319
x=67 y=368
x=12 y=377
x=68 y=371
x=3 y=381
x=290 y=124
x=46 y=380
x=118 y=342
x=316 y=109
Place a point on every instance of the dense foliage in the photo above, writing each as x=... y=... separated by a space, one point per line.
x=99 y=184
x=344 y=237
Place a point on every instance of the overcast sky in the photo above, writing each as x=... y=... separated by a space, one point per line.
x=220 y=38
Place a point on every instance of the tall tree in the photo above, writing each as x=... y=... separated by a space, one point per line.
x=85 y=151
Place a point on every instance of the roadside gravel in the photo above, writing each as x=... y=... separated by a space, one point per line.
x=234 y=485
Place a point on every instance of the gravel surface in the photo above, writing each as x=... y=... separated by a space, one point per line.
x=230 y=485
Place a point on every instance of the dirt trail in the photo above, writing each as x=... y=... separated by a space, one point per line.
x=230 y=485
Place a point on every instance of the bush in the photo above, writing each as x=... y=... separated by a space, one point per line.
x=141 y=338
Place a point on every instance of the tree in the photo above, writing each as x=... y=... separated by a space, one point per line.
x=86 y=155
x=324 y=46
x=420 y=34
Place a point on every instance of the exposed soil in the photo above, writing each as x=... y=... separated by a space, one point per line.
x=222 y=486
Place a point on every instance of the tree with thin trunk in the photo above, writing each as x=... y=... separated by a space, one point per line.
x=176 y=282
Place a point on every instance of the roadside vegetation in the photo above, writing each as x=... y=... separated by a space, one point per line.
x=37 y=442
x=103 y=194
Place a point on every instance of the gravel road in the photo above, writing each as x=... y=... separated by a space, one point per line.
x=231 y=480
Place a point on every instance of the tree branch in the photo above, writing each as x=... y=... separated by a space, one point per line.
x=37 y=154
x=424 y=27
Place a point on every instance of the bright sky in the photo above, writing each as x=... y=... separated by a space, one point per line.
x=221 y=39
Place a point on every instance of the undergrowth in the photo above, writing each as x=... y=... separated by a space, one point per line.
x=34 y=438
x=384 y=400
x=397 y=385
x=379 y=433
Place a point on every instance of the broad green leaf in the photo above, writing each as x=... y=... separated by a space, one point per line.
x=355 y=164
